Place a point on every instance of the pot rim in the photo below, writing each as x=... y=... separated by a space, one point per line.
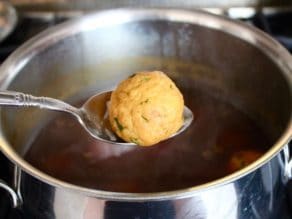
x=252 y=35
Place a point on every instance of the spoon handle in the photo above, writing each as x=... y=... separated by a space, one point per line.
x=13 y=98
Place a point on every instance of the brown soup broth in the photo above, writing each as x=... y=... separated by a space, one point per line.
x=199 y=155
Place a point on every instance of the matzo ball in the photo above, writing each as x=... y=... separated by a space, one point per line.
x=146 y=108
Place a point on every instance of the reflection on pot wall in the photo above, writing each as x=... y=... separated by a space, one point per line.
x=260 y=194
x=204 y=206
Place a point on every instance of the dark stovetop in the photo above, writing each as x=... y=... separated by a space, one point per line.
x=276 y=24
x=27 y=27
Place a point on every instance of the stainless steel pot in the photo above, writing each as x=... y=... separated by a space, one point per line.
x=251 y=70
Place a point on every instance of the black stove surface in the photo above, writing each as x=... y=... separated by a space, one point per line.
x=25 y=29
x=278 y=25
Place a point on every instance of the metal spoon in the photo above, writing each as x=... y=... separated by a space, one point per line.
x=93 y=115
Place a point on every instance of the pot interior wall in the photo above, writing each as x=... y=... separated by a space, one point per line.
x=194 y=56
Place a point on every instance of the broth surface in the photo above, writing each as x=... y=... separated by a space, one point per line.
x=200 y=154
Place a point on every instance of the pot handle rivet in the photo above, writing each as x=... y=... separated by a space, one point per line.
x=16 y=200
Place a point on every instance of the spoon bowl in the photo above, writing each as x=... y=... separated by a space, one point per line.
x=93 y=115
